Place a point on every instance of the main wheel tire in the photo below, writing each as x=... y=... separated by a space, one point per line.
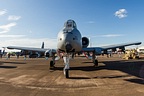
x=67 y=73
x=95 y=62
x=51 y=64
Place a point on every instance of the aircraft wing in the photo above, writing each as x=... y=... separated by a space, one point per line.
x=120 y=45
x=28 y=48
x=98 y=50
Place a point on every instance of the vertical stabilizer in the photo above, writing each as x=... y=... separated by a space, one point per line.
x=42 y=45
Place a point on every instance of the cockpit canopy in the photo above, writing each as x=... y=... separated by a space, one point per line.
x=70 y=24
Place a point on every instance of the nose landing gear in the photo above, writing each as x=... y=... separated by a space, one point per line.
x=66 y=62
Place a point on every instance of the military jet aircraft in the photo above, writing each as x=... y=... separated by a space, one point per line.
x=70 y=41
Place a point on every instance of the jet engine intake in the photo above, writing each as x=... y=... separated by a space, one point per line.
x=85 y=42
x=47 y=53
x=50 y=53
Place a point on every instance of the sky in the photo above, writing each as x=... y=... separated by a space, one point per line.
x=30 y=22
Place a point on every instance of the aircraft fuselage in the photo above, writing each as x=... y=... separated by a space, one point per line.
x=69 y=38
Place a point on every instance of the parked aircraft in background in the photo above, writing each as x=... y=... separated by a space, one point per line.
x=32 y=53
x=70 y=41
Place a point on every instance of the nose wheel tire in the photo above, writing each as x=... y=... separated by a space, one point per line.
x=66 y=73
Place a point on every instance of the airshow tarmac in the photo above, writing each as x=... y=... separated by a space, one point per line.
x=32 y=77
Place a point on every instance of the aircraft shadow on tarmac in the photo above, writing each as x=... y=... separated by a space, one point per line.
x=15 y=62
x=7 y=66
x=132 y=68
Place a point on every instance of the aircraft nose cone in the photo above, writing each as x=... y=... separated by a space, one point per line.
x=68 y=47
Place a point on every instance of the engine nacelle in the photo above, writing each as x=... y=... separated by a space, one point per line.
x=85 y=42
x=34 y=55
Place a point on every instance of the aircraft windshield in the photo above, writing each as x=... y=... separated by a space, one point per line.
x=70 y=24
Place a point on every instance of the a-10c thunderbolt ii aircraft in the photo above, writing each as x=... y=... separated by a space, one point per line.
x=70 y=41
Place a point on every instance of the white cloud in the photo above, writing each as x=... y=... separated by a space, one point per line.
x=109 y=35
x=90 y=22
x=121 y=13
x=3 y=11
x=30 y=31
x=6 y=28
x=11 y=36
x=13 y=17
x=112 y=35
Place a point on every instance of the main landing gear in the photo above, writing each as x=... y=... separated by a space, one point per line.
x=95 y=61
x=52 y=62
